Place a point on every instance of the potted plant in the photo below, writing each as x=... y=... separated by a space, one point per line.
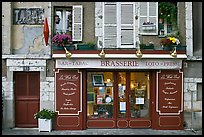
x=62 y=40
x=45 y=117
x=170 y=42
x=86 y=46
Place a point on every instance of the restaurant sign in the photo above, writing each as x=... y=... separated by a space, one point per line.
x=68 y=96
x=169 y=94
x=120 y=63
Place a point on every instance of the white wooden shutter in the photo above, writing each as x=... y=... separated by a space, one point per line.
x=148 y=13
x=77 y=19
x=110 y=25
x=127 y=25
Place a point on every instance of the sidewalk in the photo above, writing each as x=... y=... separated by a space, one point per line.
x=34 y=131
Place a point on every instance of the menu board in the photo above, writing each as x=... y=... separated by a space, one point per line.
x=169 y=92
x=68 y=94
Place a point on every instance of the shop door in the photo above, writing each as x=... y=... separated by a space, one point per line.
x=27 y=99
x=133 y=100
x=118 y=100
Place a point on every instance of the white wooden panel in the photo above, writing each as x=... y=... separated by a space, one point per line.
x=77 y=23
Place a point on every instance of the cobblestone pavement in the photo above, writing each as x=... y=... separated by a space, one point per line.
x=34 y=131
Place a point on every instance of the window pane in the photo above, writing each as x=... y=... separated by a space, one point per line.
x=122 y=95
x=100 y=96
x=59 y=27
x=139 y=101
x=110 y=14
x=127 y=14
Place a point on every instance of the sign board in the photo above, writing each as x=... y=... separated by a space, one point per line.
x=120 y=63
x=68 y=92
x=169 y=95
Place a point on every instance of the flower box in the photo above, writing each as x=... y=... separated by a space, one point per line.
x=178 y=47
x=149 y=27
x=147 y=47
x=181 y=47
x=44 y=125
x=168 y=47
x=86 y=47
x=69 y=47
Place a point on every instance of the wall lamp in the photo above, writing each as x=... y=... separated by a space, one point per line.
x=68 y=54
x=173 y=53
x=102 y=54
x=138 y=53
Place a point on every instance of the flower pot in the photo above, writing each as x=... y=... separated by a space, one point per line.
x=44 y=125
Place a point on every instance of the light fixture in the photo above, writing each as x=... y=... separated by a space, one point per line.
x=68 y=54
x=139 y=53
x=173 y=53
x=102 y=54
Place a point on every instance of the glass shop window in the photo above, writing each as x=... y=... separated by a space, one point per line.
x=139 y=95
x=100 y=94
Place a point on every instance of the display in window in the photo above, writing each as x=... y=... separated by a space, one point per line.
x=99 y=99
x=91 y=97
x=98 y=80
x=102 y=91
x=122 y=107
x=109 y=83
x=108 y=99
x=109 y=91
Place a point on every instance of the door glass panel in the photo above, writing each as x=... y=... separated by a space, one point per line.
x=139 y=95
x=100 y=94
x=122 y=95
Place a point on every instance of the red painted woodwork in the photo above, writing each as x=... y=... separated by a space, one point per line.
x=121 y=51
x=170 y=121
x=68 y=100
x=140 y=123
x=100 y=124
x=122 y=123
x=27 y=98
x=46 y=31
x=168 y=103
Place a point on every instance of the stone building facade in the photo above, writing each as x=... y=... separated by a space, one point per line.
x=24 y=50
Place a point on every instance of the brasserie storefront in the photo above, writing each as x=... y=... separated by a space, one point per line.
x=119 y=90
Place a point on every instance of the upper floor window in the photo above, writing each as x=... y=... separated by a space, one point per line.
x=120 y=24
x=69 y=20
x=124 y=21
x=167 y=18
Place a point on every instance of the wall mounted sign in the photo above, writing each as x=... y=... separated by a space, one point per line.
x=120 y=63
x=29 y=16
x=169 y=94
x=68 y=92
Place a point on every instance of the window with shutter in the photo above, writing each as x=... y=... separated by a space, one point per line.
x=127 y=25
x=148 y=18
x=119 y=25
x=77 y=23
x=64 y=22
x=70 y=21
x=110 y=25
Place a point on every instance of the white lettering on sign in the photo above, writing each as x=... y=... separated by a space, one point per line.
x=68 y=77
x=120 y=63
